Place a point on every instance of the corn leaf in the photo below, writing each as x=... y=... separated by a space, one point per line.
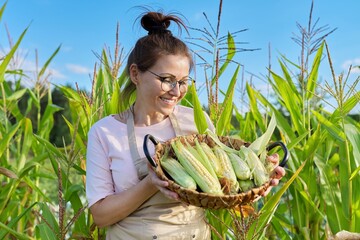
x=15 y=233
x=223 y=124
x=313 y=77
x=199 y=115
x=43 y=69
x=254 y=107
x=270 y=206
x=230 y=54
x=9 y=56
x=330 y=127
x=347 y=106
x=259 y=145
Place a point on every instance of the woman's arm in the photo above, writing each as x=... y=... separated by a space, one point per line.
x=114 y=208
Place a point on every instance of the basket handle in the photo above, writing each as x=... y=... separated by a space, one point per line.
x=146 y=150
x=284 y=148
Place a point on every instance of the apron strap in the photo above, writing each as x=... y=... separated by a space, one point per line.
x=141 y=163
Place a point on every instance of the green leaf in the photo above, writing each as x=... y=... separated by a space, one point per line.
x=270 y=206
x=225 y=117
x=27 y=142
x=9 y=56
x=259 y=145
x=230 y=54
x=7 y=137
x=330 y=127
x=313 y=77
x=43 y=69
x=199 y=115
x=15 y=233
x=15 y=96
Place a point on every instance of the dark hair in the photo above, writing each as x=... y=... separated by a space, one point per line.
x=148 y=49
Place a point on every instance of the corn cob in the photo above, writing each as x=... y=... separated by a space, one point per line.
x=204 y=158
x=246 y=185
x=241 y=169
x=197 y=171
x=259 y=173
x=226 y=168
x=214 y=161
x=178 y=173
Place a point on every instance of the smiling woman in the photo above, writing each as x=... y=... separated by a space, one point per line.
x=122 y=195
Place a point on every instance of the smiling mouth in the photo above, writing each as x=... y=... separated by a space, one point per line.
x=170 y=101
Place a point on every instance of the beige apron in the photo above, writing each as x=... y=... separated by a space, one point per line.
x=159 y=217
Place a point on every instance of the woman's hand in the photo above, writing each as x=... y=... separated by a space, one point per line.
x=277 y=174
x=161 y=185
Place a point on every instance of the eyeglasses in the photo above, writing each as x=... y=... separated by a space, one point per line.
x=169 y=82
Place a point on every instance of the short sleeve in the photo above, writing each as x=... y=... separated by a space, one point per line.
x=99 y=183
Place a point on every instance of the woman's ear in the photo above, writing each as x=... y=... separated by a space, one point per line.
x=134 y=73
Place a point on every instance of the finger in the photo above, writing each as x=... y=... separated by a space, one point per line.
x=278 y=173
x=273 y=158
x=274 y=182
x=169 y=194
x=267 y=191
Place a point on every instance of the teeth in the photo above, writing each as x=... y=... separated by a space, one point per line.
x=168 y=100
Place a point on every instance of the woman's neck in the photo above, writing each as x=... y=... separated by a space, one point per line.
x=143 y=118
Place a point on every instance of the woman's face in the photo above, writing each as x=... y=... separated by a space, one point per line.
x=151 y=98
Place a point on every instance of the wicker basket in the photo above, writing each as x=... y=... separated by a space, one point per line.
x=201 y=199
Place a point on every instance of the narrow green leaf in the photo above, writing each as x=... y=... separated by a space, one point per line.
x=224 y=120
x=199 y=115
x=330 y=127
x=7 y=137
x=15 y=96
x=313 y=77
x=43 y=69
x=230 y=54
x=27 y=142
x=259 y=145
x=254 y=107
x=270 y=206
x=9 y=56
x=15 y=233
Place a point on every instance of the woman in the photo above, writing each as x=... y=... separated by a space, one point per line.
x=123 y=194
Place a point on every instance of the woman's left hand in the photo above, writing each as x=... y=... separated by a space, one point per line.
x=277 y=173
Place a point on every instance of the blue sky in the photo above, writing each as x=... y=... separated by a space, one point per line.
x=84 y=27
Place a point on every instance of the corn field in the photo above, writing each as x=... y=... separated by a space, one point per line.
x=42 y=193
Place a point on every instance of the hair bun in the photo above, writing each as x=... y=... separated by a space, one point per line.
x=155 y=23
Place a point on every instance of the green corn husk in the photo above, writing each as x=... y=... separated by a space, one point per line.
x=178 y=173
x=241 y=168
x=246 y=185
x=197 y=171
x=199 y=153
x=259 y=172
x=212 y=158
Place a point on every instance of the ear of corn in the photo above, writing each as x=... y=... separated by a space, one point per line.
x=259 y=173
x=200 y=156
x=214 y=161
x=241 y=168
x=205 y=160
x=246 y=185
x=226 y=169
x=197 y=171
x=178 y=173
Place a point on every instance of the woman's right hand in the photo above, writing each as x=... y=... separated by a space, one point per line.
x=161 y=185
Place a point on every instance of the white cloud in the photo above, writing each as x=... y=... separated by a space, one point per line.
x=355 y=63
x=78 y=69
